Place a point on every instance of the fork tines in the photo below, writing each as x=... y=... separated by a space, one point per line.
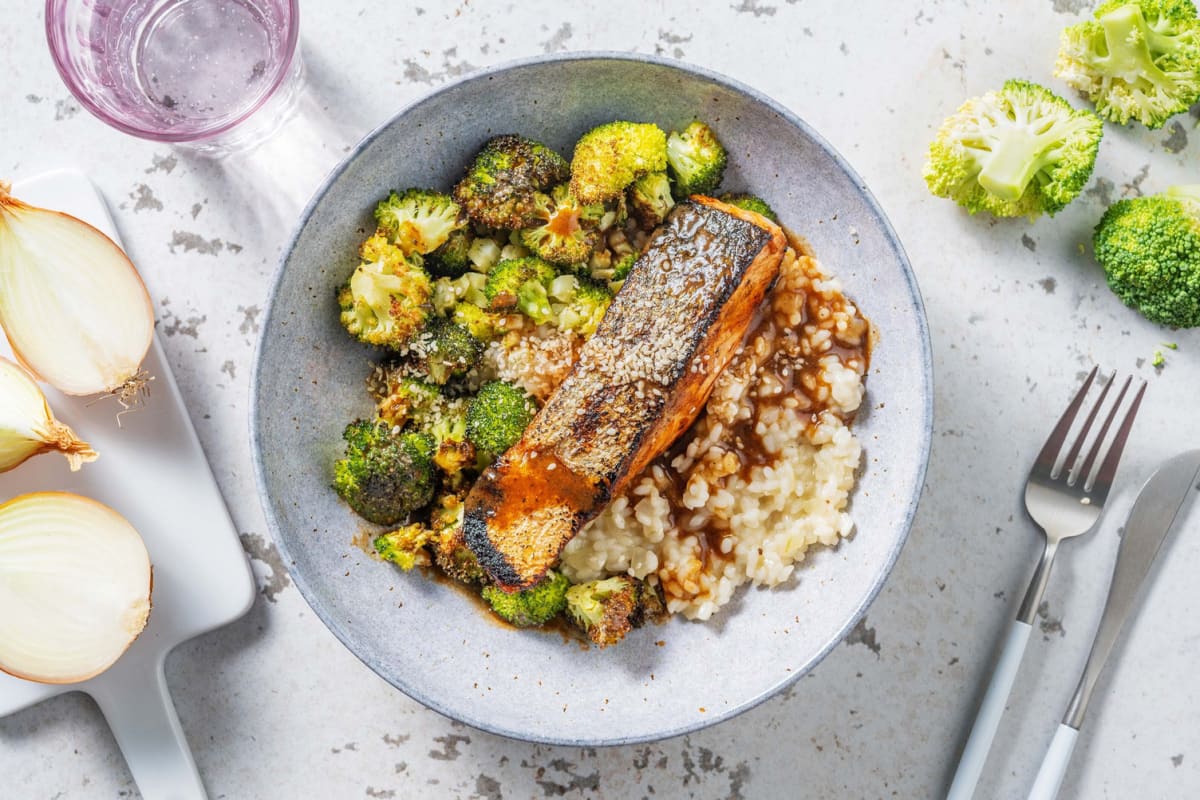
x=1080 y=461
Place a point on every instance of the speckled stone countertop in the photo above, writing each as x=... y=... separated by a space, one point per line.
x=275 y=707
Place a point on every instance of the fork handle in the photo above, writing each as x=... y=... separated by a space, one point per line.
x=987 y=720
x=1054 y=765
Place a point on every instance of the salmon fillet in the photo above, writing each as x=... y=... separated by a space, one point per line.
x=638 y=384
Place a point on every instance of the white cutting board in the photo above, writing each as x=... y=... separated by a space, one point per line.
x=151 y=469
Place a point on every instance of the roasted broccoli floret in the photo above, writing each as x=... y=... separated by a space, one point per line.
x=497 y=416
x=481 y=324
x=419 y=220
x=750 y=202
x=449 y=430
x=585 y=307
x=451 y=259
x=445 y=350
x=697 y=159
x=405 y=398
x=504 y=283
x=534 y=606
x=1138 y=59
x=1020 y=151
x=450 y=550
x=501 y=186
x=405 y=546
x=385 y=476
x=606 y=609
x=567 y=231
x=650 y=199
x=612 y=156
x=384 y=301
x=621 y=268
x=1150 y=250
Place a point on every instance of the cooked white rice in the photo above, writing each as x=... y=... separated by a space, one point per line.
x=702 y=524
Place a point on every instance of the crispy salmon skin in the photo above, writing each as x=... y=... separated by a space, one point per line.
x=638 y=384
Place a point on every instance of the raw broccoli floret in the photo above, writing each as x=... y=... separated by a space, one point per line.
x=1021 y=151
x=501 y=186
x=697 y=159
x=385 y=476
x=480 y=323
x=1138 y=59
x=534 y=606
x=567 y=231
x=450 y=550
x=504 y=282
x=405 y=546
x=383 y=302
x=445 y=350
x=419 y=220
x=1150 y=250
x=406 y=398
x=650 y=199
x=497 y=416
x=612 y=156
x=451 y=259
x=606 y=609
x=750 y=202
x=585 y=307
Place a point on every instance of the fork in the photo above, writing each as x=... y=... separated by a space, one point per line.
x=1064 y=496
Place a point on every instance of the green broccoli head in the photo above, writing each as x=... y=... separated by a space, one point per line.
x=750 y=202
x=567 y=231
x=451 y=259
x=419 y=220
x=405 y=398
x=501 y=186
x=534 y=606
x=621 y=268
x=405 y=546
x=504 y=282
x=481 y=324
x=450 y=551
x=384 y=301
x=1021 y=151
x=610 y=157
x=449 y=430
x=384 y=476
x=1150 y=250
x=697 y=159
x=585 y=307
x=497 y=416
x=1138 y=59
x=445 y=350
x=606 y=609
x=650 y=199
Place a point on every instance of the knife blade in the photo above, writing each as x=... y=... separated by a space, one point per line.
x=1150 y=520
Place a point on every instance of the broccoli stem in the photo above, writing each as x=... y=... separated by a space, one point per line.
x=1016 y=157
x=1128 y=39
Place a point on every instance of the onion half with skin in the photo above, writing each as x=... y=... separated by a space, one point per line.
x=71 y=302
x=75 y=583
x=28 y=426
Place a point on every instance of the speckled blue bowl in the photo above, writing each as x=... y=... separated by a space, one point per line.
x=426 y=638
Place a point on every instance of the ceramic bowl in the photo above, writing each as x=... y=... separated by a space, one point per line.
x=430 y=640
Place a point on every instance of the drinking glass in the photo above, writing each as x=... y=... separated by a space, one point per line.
x=215 y=75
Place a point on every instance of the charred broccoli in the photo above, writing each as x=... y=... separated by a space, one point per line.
x=504 y=283
x=449 y=430
x=419 y=220
x=385 y=476
x=405 y=546
x=697 y=159
x=480 y=323
x=612 y=156
x=534 y=606
x=501 y=186
x=750 y=202
x=403 y=398
x=606 y=609
x=452 y=258
x=497 y=416
x=450 y=550
x=622 y=267
x=567 y=231
x=384 y=301
x=650 y=199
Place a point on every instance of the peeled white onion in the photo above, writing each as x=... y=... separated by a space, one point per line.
x=28 y=426
x=71 y=302
x=75 y=584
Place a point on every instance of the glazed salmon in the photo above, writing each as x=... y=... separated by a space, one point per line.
x=638 y=384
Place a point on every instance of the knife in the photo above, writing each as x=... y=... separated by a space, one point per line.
x=1153 y=513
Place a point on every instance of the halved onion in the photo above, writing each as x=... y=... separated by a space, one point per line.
x=71 y=302
x=28 y=426
x=75 y=584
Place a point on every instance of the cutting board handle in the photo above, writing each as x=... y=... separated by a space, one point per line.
x=139 y=710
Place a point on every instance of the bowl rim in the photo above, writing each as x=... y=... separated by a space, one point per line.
x=926 y=421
